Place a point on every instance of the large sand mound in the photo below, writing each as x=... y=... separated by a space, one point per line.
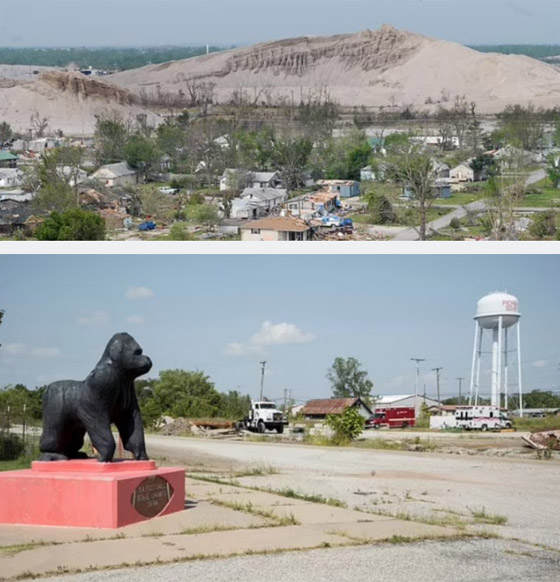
x=371 y=68
x=69 y=101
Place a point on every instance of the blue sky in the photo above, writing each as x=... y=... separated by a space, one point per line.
x=224 y=22
x=223 y=314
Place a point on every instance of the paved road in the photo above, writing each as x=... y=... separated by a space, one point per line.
x=460 y=212
x=442 y=222
x=462 y=561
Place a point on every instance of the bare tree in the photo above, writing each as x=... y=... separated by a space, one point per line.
x=38 y=124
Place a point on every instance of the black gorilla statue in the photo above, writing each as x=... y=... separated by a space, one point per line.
x=71 y=408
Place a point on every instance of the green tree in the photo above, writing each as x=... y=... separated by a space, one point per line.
x=141 y=153
x=346 y=426
x=380 y=208
x=290 y=156
x=416 y=170
x=544 y=225
x=553 y=170
x=522 y=126
x=202 y=214
x=348 y=381
x=187 y=394
x=75 y=224
x=6 y=132
x=111 y=135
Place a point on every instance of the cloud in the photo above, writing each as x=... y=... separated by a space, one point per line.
x=16 y=350
x=139 y=293
x=45 y=352
x=270 y=334
x=96 y=318
x=136 y=319
x=539 y=363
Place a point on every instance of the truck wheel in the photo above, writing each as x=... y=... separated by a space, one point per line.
x=484 y=427
x=405 y=424
x=280 y=429
x=260 y=426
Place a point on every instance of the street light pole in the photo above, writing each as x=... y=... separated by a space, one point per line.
x=417 y=360
x=263 y=364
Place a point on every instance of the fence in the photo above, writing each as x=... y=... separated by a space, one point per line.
x=19 y=433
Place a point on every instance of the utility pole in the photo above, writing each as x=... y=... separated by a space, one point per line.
x=263 y=364
x=437 y=371
x=460 y=382
x=417 y=360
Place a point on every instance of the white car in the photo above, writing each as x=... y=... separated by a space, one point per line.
x=168 y=190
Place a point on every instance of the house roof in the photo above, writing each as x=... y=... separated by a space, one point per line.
x=117 y=170
x=279 y=223
x=264 y=194
x=336 y=182
x=330 y=405
x=6 y=156
x=262 y=176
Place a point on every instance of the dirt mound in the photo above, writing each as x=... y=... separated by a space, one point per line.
x=81 y=87
x=372 y=68
x=70 y=102
x=177 y=427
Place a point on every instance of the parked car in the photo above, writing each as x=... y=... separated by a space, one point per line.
x=168 y=190
x=147 y=225
x=331 y=220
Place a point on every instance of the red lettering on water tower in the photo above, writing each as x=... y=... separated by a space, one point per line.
x=510 y=305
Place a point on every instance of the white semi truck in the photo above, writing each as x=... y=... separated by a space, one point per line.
x=263 y=416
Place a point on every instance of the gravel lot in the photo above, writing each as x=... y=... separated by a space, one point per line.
x=425 y=486
x=453 y=488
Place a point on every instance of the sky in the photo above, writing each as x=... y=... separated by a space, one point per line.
x=224 y=314
x=228 y=22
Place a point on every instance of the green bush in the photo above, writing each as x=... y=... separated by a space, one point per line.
x=455 y=223
x=11 y=447
x=346 y=426
x=74 y=224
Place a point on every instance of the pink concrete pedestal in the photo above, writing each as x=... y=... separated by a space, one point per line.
x=85 y=493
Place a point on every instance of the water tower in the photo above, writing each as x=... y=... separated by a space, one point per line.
x=496 y=316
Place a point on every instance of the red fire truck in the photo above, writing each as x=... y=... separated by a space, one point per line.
x=398 y=417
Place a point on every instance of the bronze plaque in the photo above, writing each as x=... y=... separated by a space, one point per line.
x=151 y=496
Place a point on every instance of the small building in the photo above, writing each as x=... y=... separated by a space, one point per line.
x=73 y=176
x=276 y=228
x=7 y=159
x=442 y=189
x=10 y=177
x=344 y=188
x=269 y=198
x=367 y=174
x=316 y=204
x=440 y=169
x=119 y=174
x=461 y=173
x=234 y=179
x=320 y=409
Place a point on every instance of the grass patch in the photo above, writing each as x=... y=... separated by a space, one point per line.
x=212 y=479
x=549 y=422
x=416 y=444
x=314 y=498
x=257 y=471
x=17 y=548
x=482 y=516
x=251 y=509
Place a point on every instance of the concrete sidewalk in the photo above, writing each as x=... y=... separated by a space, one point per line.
x=219 y=520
